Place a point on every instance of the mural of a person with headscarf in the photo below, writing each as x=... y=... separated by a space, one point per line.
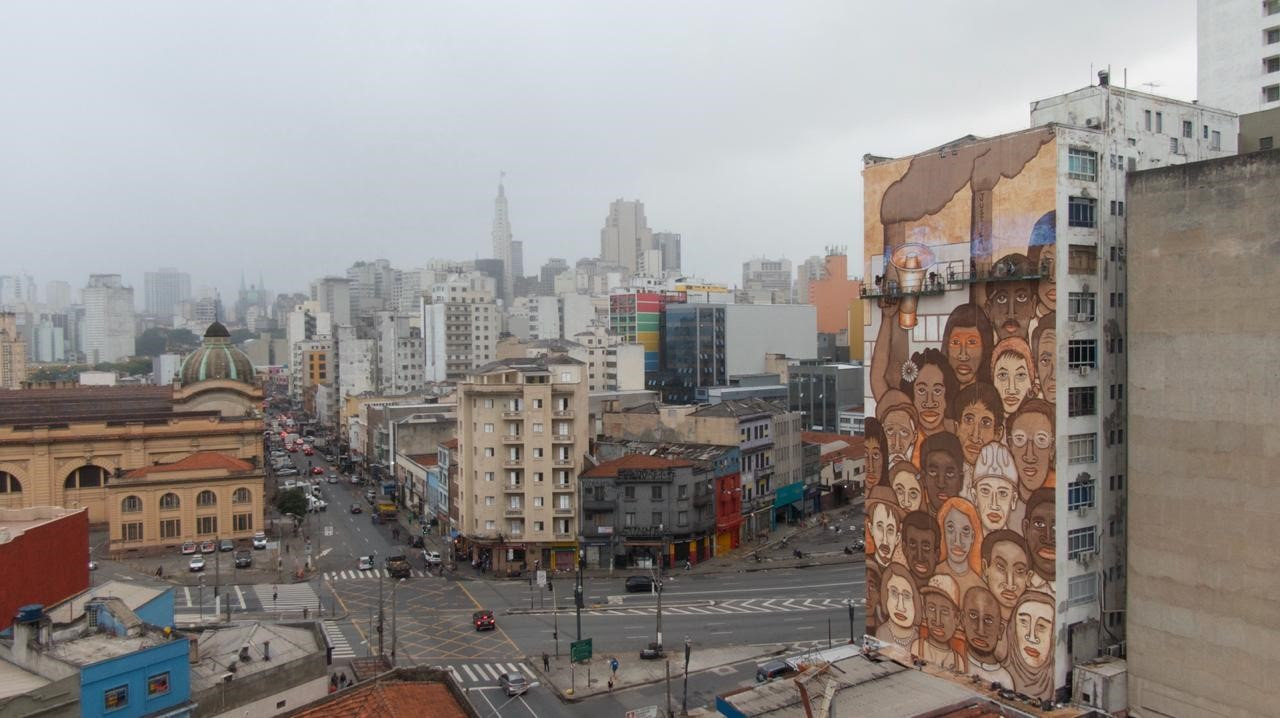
x=1029 y=638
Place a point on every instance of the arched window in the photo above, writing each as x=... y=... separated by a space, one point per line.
x=9 y=483
x=241 y=496
x=130 y=505
x=169 y=502
x=207 y=498
x=86 y=477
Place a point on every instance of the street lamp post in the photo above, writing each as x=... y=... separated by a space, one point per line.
x=394 y=612
x=684 y=702
x=555 y=619
x=201 y=599
x=381 y=615
x=851 y=638
x=577 y=595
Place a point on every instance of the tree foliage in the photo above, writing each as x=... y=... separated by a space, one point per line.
x=292 y=501
x=158 y=340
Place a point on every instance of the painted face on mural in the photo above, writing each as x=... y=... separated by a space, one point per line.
x=930 y=397
x=1047 y=287
x=940 y=618
x=1012 y=378
x=906 y=485
x=964 y=351
x=900 y=432
x=982 y=622
x=901 y=605
x=943 y=478
x=995 y=498
x=1038 y=528
x=884 y=532
x=1006 y=572
x=920 y=549
x=1046 y=360
x=960 y=533
x=1031 y=442
x=1011 y=305
x=875 y=461
x=978 y=427
x=1034 y=623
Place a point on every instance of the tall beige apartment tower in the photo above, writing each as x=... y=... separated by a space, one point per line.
x=522 y=433
x=13 y=353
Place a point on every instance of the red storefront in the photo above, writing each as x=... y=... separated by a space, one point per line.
x=728 y=512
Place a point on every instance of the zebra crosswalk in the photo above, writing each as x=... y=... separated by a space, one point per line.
x=373 y=573
x=485 y=674
x=749 y=605
x=341 y=647
x=287 y=596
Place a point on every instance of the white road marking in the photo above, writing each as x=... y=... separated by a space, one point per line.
x=186 y=591
x=470 y=675
x=240 y=596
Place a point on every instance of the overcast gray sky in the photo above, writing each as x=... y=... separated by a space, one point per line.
x=294 y=138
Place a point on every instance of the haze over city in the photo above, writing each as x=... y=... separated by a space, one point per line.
x=291 y=139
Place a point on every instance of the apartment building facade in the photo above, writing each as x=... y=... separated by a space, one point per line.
x=523 y=428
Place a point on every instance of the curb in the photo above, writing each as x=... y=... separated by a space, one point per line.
x=612 y=607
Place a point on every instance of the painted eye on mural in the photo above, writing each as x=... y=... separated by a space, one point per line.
x=1022 y=296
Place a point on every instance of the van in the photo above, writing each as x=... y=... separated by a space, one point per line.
x=768 y=671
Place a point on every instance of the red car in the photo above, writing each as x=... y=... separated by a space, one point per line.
x=317 y=470
x=483 y=620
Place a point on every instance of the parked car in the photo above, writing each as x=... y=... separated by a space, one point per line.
x=355 y=509
x=260 y=541
x=244 y=559
x=317 y=470
x=431 y=558
x=208 y=547
x=287 y=471
x=189 y=548
x=483 y=620
x=768 y=671
x=227 y=545
x=333 y=478
x=196 y=563
x=513 y=684
x=365 y=563
x=636 y=584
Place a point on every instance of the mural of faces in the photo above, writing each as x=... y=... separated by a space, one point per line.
x=874 y=442
x=1031 y=442
x=1011 y=307
x=906 y=485
x=983 y=625
x=943 y=470
x=1013 y=372
x=1005 y=567
x=920 y=545
x=960 y=536
x=900 y=433
x=1039 y=528
x=884 y=532
x=1045 y=346
x=941 y=618
x=901 y=601
x=981 y=419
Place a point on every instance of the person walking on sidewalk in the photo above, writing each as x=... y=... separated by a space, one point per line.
x=546 y=662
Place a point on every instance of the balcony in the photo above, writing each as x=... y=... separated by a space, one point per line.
x=562 y=462
x=563 y=511
x=563 y=413
x=513 y=511
x=930 y=287
x=510 y=414
x=590 y=504
x=513 y=463
x=513 y=488
x=702 y=500
x=563 y=536
x=562 y=438
x=513 y=439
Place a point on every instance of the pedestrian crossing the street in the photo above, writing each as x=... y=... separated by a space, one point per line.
x=486 y=674
x=749 y=605
x=373 y=573
x=287 y=596
x=341 y=647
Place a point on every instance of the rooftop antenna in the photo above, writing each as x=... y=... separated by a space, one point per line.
x=1151 y=86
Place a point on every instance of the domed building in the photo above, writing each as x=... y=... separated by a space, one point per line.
x=218 y=376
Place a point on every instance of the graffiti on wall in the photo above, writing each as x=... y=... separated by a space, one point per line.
x=960 y=451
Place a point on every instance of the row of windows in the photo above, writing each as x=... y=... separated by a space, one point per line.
x=172 y=528
x=170 y=501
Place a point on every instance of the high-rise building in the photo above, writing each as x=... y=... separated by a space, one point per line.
x=502 y=248
x=517 y=261
x=17 y=291
x=626 y=235
x=637 y=317
x=1201 y=236
x=547 y=275
x=809 y=270
x=1238 y=55
x=460 y=326
x=13 y=353
x=333 y=295
x=164 y=290
x=523 y=428
x=767 y=281
x=57 y=295
x=669 y=244
x=991 y=411
x=108 y=320
x=372 y=286
x=399 y=354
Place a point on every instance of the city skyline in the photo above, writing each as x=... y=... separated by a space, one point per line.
x=770 y=150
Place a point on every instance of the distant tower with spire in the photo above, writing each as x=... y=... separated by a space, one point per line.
x=502 y=239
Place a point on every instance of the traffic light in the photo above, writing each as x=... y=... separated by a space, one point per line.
x=577 y=597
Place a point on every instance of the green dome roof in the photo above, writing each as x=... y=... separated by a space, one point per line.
x=217 y=359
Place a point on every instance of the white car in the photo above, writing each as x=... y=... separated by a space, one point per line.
x=365 y=563
x=260 y=540
x=197 y=563
x=432 y=558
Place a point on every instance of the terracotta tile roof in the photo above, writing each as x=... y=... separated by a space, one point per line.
x=450 y=444
x=634 y=461
x=389 y=699
x=199 y=461
x=837 y=446
x=423 y=459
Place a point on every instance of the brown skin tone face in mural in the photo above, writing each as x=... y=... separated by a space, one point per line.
x=1044 y=344
x=1031 y=442
x=967 y=341
x=920 y=545
x=943 y=471
x=981 y=419
x=1038 y=528
x=1005 y=567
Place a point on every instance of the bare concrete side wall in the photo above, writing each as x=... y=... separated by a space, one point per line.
x=1204 y=438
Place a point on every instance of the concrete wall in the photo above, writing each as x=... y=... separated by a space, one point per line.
x=753 y=330
x=59 y=699
x=1203 y=418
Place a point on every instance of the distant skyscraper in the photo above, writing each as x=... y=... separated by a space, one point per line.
x=372 y=286
x=669 y=244
x=108 y=319
x=57 y=294
x=164 y=289
x=13 y=353
x=517 y=259
x=626 y=235
x=767 y=280
x=547 y=276
x=17 y=291
x=810 y=270
x=333 y=294
x=502 y=242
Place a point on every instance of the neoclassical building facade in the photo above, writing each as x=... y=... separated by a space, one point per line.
x=119 y=451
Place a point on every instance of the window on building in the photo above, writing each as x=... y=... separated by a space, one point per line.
x=682 y=518
x=115 y=698
x=1271 y=64
x=1271 y=7
x=1271 y=35
x=1082 y=164
x=1270 y=93
x=1266 y=143
x=1082 y=541
x=683 y=491
x=656 y=493
x=490 y=501
x=170 y=502
x=170 y=528
x=489 y=525
x=86 y=477
x=1082 y=353
x=1159 y=122
x=1173 y=145
x=241 y=496
x=1080 y=493
x=1082 y=401
x=1188 y=129
x=1083 y=588
x=241 y=522
x=1080 y=306
x=9 y=483
x=488 y=428
x=537 y=452
x=131 y=531
x=629 y=519
x=206 y=525
x=1082 y=448
x=1146 y=119
x=656 y=519
x=206 y=498
x=130 y=505
x=1082 y=259
x=539 y=526
x=1081 y=212
x=629 y=493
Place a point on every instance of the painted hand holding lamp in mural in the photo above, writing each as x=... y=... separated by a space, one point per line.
x=913 y=262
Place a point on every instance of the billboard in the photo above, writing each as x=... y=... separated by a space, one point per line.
x=960 y=408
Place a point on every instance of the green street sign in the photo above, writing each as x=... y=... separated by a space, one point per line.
x=580 y=650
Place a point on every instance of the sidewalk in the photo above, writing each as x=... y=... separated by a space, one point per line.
x=570 y=682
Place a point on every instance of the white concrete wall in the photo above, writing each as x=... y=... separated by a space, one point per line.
x=1231 y=45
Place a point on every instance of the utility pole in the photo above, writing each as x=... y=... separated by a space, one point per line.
x=381 y=613
x=577 y=595
x=668 y=705
x=555 y=618
x=851 y=639
x=217 y=556
x=394 y=612
x=662 y=559
x=684 y=702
